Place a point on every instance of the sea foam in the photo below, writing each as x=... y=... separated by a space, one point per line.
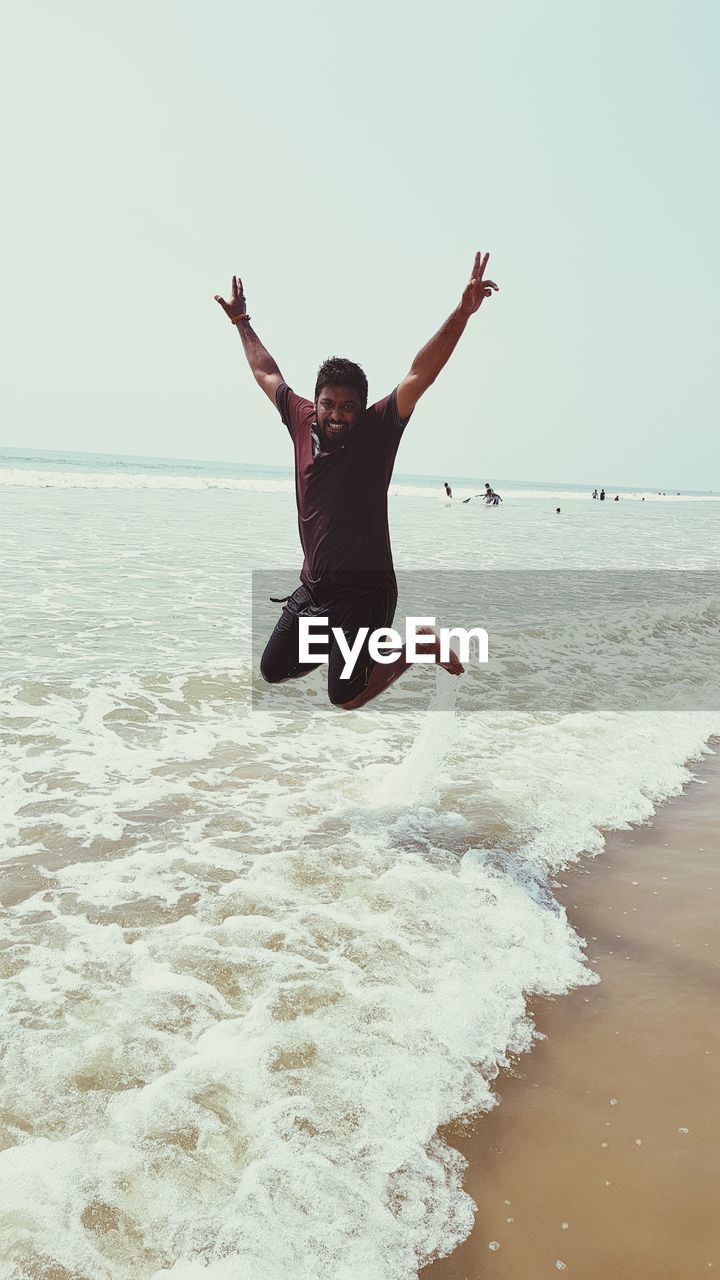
x=257 y=952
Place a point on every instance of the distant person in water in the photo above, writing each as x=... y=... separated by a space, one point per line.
x=448 y=490
x=616 y=498
x=344 y=457
x=557 y=511
x=602 y=495
x=595 y=493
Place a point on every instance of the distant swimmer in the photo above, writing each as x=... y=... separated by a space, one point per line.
x=492 y=498
x=616 y=498
x=602 y=495
x=595 y=493
x=557 y=511
x=448 y=490
x=344 y=457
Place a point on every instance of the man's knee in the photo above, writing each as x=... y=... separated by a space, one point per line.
x=271 y=671
x=343 y=706
x=346 y=694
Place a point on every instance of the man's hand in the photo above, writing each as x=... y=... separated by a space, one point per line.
x=436 y=353
x=264 y=369
x=236 y=307
x=477 y=288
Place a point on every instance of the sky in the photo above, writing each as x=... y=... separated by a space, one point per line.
x=347 y=162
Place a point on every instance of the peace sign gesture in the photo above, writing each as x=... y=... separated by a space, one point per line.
x=477 y=287
x=236 y=307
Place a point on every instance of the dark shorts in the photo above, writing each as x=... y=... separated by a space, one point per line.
x=372 y=607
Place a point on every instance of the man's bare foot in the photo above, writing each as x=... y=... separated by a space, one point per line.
x=454 y=666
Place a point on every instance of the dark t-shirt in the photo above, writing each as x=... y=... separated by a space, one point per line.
x=342 y=492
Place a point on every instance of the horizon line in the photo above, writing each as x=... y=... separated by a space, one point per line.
x=274 y=466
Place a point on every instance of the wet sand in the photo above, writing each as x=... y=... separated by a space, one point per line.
x=603 y=1160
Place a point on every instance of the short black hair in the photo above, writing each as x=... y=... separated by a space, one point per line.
x=338 y=372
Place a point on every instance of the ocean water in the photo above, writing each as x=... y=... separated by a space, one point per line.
x=256 y=951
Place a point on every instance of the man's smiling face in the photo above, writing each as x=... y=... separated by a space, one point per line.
x=337 y=409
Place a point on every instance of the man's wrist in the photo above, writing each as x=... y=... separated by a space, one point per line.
x=238 y=320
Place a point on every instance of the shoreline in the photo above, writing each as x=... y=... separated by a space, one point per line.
x=600 y=1160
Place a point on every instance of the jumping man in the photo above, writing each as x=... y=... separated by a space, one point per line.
x=344 y=457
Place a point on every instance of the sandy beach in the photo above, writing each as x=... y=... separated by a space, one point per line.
x=602 y=1159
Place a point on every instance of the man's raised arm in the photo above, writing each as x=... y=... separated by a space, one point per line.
x=436 y=353
x=265 y=371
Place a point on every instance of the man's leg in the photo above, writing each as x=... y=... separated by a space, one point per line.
x=279 y=661
x=382 y=676
x=369 y=678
